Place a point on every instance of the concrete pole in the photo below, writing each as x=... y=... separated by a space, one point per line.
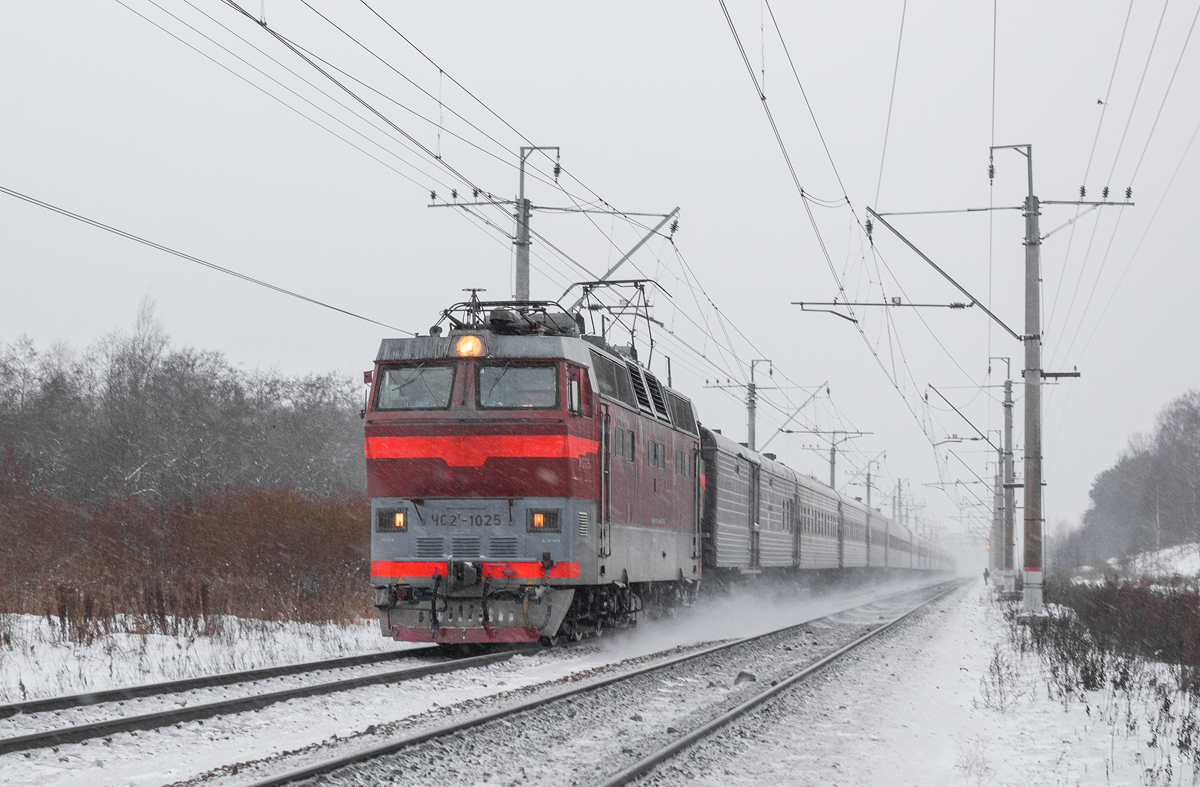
x=833 y=462
x=522 y=242
x=751 y=409
x=996 y=551
x=1009 y=493
x=1033 y=404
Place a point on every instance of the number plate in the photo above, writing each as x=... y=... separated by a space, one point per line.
x=466 y=519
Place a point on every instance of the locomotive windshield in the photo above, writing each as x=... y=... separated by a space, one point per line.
x=510 y=386
x=418 y=387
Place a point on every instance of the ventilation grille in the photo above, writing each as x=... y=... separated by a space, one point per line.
x=465 y=546
x=503 y=548
x=583 y=524
x=429 y=547
x=660 y=403
x=639 y=389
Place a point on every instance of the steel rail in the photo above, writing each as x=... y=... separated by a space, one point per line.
x=646 y=764
x=326 y=766
x=152 y=721
x=202 y=682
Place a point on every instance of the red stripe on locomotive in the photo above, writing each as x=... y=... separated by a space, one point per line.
x=531 y=569
x=473 y=450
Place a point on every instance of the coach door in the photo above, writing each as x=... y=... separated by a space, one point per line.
x=755 y=505
x=841 y=534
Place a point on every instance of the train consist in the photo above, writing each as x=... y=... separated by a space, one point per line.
x=529 y=481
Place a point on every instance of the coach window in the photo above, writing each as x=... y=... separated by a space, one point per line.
x=421 y=386
x=517 y=387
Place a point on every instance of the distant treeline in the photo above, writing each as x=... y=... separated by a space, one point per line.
x=1150 y=498
x=150 y=487
x=131 y=414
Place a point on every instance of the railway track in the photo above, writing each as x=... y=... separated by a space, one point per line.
x=358 y=765
x=649 y=762
x=165 y=718
x=203 y=682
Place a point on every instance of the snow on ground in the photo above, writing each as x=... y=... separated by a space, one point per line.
x=36 y=661
x=1182 y=560
x=174 y=754
x=943 y=700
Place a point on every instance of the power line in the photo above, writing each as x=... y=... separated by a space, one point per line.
x=290 y=90
x=189 y=257
x=888 y=126
x=1087 y=170
x=1162 y=104
x=1137 y=94
x=1166 y=93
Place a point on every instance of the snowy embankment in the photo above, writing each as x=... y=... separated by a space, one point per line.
x=1182 y=560
x=952 y=698
x=37 y=660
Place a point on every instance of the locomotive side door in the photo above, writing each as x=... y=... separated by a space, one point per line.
x=606 y=484
x=755 y=499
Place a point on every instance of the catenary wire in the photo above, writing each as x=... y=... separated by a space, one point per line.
x=891 y=99
x=190 y=258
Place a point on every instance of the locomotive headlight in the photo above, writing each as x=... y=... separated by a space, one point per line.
x=469 y=346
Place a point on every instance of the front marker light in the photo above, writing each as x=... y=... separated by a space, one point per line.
x=469 y=346
x=391 y=520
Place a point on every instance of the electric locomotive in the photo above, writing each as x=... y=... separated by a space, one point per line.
x=529 y=481
x=526 y=480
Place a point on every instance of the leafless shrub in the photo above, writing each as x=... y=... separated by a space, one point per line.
x=973 y=763
x=1000 y=688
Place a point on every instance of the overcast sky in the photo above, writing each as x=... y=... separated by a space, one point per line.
x=152 y=117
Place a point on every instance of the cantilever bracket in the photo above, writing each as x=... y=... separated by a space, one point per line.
x=802 y=305
x=947 y=276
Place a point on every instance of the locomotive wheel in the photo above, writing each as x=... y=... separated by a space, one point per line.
x=549 y=641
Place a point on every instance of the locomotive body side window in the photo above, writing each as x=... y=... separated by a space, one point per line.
x=420 y=386
x=619 y=442
x=517 y=387
x=630 y=443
